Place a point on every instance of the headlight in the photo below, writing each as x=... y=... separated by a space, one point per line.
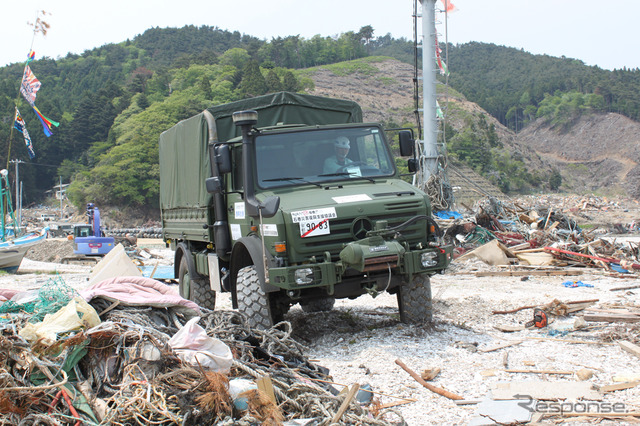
x=429 y=259
x=304 y=276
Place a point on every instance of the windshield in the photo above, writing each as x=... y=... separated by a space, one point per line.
x=323 y=155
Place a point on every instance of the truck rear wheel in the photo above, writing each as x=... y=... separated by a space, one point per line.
x=253 y=302
x=414 y=300
x=324 y=304
x=195 y=290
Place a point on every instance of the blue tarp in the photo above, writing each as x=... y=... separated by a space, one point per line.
x=447 y=214
x=162 y=272
x=576 y=284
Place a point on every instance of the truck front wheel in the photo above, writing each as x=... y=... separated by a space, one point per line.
x=414 y=300
x=195 y=290
x=253 y=302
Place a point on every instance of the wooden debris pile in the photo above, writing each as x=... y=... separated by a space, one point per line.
x=544 y=235
x=123 y=371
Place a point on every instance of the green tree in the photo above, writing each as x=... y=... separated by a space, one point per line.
x=290 y=82
x=366 y=34
x=253 y=82
x=273 y=82
x=555 y=180
x=205 y=86
x=236 y=57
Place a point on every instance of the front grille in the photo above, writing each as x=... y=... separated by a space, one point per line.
x=395 y=213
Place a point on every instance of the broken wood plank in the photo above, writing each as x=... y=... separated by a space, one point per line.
x=265 y=384
x=508 y=328
x=521 y=247
x=543 y=390
x=619 y=386
x=570 y=340
x=429 y=386
x=536 y=259
x=396 y=403
x=632 y=348
x=631 y=287
x=611 y=316
x=552 y=272
x=531 y=250
x=529 y=370
x=576 y=302
x=498 y=347
x=345 y=404
x=467 y=401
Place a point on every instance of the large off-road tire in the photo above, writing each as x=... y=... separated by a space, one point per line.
x=198 y=291
x=318 y=305
x=253 y=301
x=414 y=301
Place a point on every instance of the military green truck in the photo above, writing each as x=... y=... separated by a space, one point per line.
x=257 y=199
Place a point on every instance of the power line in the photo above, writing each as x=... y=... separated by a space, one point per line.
x=39 y=164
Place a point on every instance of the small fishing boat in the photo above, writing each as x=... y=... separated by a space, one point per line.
x=14 y=242
x=13 y=250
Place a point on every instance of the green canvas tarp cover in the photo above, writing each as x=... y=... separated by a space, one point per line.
x=184 y=157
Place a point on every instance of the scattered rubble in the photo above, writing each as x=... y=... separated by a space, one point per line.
x=554 y=327
x=534 y=233
x=120 y=359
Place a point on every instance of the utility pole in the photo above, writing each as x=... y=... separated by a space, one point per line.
x=431 y=177
x=60 y=197
x=16 y=204
x=429 y=161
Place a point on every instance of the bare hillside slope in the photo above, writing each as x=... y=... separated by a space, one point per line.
x=598 y=153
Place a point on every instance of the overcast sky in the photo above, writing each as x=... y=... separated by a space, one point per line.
x=597 y=32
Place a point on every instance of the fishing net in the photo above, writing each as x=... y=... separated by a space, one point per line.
x=51 y=297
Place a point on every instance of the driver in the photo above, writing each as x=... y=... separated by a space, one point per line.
x=336 y=162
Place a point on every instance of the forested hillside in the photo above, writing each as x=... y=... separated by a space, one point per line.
x=516 y=87
x=113 y=101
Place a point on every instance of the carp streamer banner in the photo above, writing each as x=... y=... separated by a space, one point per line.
x=30 y=86
x=21 y=126
x=47 y=123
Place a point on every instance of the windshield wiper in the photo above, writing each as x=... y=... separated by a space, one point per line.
x=370 y=179
x=335 y=174
x=292 y=178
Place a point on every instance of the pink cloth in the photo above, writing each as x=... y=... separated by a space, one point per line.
x=7 y=293
x=138 y=291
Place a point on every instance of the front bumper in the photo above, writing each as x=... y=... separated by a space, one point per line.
x=328 y=274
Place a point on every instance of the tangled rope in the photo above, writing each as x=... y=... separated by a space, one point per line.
x=132 y=377
x=439 y=192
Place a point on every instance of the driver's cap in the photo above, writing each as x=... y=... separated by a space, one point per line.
x=342 y=142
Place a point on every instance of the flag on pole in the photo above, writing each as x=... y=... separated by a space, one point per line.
x=439 y=113
x=441 y=64
x=448 y=6
x=47 y=123
x=30 y=85
x=21 y=126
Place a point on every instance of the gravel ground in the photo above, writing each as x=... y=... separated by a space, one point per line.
x=360 y=339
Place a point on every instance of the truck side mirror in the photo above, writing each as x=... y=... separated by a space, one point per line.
x=407 y=143
x=223 y=158
x=213 y=185
x=270 y=206
x=413 y=164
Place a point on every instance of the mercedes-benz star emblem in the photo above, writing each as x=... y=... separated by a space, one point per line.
x=360 y=227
